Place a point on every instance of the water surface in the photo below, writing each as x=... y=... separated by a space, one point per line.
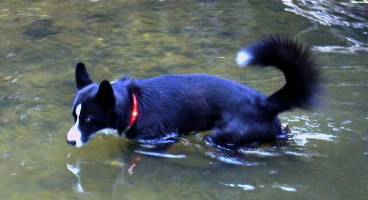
x=41 y=41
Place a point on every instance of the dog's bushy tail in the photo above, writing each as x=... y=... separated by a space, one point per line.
x=296 y=63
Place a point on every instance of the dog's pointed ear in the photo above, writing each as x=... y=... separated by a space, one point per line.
x=81 y=76
x=105 y=95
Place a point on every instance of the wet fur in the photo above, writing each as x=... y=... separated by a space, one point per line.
x=171 y=106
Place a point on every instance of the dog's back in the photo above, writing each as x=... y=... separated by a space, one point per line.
x=193 y=102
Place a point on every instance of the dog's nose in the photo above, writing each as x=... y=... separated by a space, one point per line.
x=71 y=142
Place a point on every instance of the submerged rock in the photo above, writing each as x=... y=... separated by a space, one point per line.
x=41 y=28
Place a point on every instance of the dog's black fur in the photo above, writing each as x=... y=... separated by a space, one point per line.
x=174 y=105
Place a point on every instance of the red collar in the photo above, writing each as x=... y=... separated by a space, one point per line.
x=134 y=112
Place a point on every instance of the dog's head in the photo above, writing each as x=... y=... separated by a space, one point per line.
x=93 y=109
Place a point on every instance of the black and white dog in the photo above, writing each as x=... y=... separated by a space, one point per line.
x=160 y=110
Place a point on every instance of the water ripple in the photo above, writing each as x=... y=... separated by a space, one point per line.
x=329 y=12
x=356 y=46
x=334 y=13
x=285 y=188
x=303 y=139
x=242 y=186
x=233 y=160
x=160 y=154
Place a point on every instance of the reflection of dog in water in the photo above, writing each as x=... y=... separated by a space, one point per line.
x=159 y=110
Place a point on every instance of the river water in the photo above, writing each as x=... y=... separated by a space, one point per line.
x=41 y=41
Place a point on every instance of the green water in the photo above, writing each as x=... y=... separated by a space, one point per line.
x=41 y=41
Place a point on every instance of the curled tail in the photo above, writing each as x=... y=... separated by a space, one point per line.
x=297 y=65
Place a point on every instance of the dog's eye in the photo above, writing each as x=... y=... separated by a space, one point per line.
x=88 y=119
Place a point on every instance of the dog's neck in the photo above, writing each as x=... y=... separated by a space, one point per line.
x=134 y=112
